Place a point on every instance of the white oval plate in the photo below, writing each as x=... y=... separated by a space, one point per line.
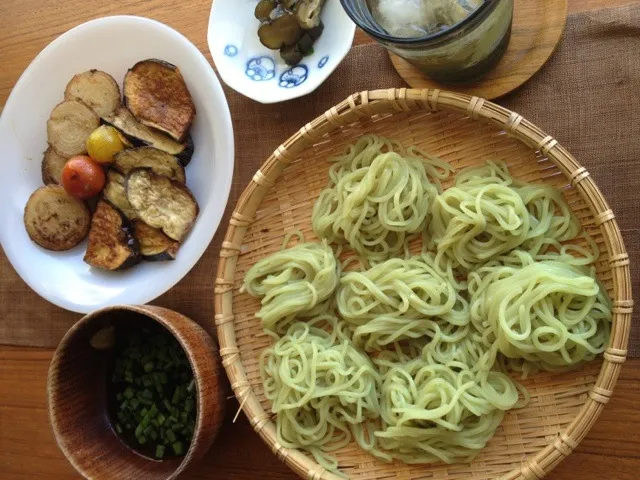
x=112 y=44
x=252 y=69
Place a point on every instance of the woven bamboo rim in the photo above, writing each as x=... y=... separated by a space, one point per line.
x=378 y=104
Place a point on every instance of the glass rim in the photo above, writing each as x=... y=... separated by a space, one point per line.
x=347 y=6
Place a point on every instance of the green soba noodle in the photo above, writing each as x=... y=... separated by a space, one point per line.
x=552 y=313
x=379 y=194
x=486 y=214
x=438 y=412
x=321 y=388
x=294 y=281
x=502 y=290
x=401 y=299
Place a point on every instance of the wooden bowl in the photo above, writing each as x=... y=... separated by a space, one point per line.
x=76 y=391
x=463 y=131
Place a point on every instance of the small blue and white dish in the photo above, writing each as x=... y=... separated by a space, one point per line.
x=259 y=73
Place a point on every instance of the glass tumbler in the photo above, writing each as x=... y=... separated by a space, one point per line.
x=462 y=53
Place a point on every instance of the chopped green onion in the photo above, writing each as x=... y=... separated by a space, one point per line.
x=176 y=396
x=154 y=392
x=160 y=451
x=146 y=421
x=192 y=385
x=177 y=448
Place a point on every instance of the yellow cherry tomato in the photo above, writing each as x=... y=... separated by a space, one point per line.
x=103 y=143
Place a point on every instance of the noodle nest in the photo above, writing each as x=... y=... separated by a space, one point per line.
x=379 y=194
x=293 y=281
x=408 y=354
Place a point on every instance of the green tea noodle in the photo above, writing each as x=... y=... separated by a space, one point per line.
x=438 y=412
x=401 y=299
x=486 y=214
x=321 y=388
x=295 y=281
x=504 y=290
x=551 y=313
x=379 y=194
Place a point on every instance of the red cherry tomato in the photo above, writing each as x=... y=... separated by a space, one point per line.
x=83 y=177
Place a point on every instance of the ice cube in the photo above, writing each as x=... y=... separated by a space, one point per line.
x=399 y=18
x=416 y=18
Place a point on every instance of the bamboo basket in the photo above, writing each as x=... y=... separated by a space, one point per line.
x=464 y=131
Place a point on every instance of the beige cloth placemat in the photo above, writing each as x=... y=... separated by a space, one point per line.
x=586 y=96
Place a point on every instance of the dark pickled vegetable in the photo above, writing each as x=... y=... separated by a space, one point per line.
x=263 y=9
x=308 y=13
x=292 y=54
x=291 y=26
x=316 y=31
x=282 y=32
x=305 y=44
x=152 y=392
x=278 y=12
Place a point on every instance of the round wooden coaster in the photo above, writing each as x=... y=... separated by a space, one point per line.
x=536 y=32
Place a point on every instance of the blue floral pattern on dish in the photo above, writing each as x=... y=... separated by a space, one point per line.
x=230 y=50
x=294 y=76
x=323 y=61
x=261 y=69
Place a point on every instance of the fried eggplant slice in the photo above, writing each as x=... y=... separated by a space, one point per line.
x=112 y=245
x=140 y=135
x=160 y=162
x=161 y=202
x=55 y=220
x=114 y=193
x=70 y=124
x=154 y=245
x=52 y=165
x=157 y=95
x=96 y=89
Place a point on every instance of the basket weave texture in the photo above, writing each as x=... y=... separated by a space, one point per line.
x=464 y=131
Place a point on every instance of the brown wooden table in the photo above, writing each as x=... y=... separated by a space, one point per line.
x=27 y=448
